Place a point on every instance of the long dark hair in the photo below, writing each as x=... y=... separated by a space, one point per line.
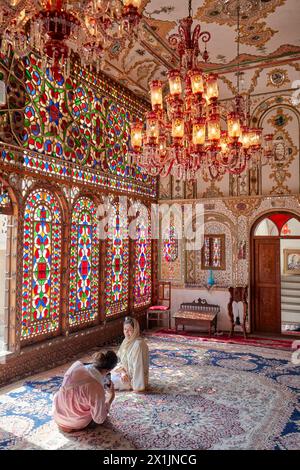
x=105 y=360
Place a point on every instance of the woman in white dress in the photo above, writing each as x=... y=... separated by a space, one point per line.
x=132 y=372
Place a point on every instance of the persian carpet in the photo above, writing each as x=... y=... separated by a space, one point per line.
x=201 y=396
x=224 y=338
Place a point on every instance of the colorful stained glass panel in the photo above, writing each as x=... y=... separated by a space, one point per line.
x=117 y=260
x=84 y=264
x=41 y=265
x=142 y=278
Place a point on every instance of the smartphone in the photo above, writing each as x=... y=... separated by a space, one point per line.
x=107 y=380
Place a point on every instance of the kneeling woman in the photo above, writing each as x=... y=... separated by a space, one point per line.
x=132 y=373
x=81 y=398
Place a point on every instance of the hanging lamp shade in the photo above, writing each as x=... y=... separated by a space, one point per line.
x=175 y=82
x=156 y=94
x=137 y=135
x=224 y=142
x=197 y=84
x=132 y=3
x=245 y=137
x=178 y=126
x=199 y=131
x=152 y=128
x=234 y=125
x=213 y=127
x=212 y=91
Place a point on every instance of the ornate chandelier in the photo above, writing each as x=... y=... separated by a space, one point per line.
x=183 y=135
x=58 y=29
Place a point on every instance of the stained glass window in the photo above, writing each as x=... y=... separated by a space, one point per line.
x=117 y=138
x=41 y=265
x=84 y=262
x=71 y=119
x=62 y=118
x=142 y=260
x=213 y=252
x=117 y=262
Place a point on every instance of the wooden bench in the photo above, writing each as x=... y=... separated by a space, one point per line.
x=197 y=313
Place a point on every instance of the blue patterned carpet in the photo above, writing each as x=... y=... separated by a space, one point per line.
x=201 y=397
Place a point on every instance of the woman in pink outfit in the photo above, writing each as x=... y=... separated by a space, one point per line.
x=82 y=398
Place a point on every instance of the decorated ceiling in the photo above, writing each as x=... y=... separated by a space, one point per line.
x=269 y=36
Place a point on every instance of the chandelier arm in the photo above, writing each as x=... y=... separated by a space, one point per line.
x=205 y=36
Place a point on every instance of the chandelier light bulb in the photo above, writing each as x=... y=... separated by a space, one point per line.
x=156 y=94
x=132 y=3
x=175 y=82
x=178 y=127
x=199 y=129
x=136 y=136
x=212 y=87
x=196 y=81
x=213 y=127
x=245 y=137
x=224 y=142
x=234 y=125
x=152 y=128
x=255 y=137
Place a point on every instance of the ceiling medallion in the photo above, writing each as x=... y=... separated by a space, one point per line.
x=246 y=7
x=277 y=78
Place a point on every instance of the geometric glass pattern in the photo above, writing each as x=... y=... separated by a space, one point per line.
x=142 y=278
x=84 y=262
x=117 y=259
x=67 y=118
x=41 y=265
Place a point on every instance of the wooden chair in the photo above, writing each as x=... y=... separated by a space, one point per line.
x=238 y=294
x=163 y=308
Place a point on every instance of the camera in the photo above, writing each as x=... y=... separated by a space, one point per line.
x=107 y=380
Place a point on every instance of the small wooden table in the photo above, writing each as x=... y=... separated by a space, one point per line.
x=185 y=317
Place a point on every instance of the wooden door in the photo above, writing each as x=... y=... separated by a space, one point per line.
x=266 y=285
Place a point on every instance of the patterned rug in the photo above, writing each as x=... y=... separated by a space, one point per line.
x=224 y=338
x=202 y=396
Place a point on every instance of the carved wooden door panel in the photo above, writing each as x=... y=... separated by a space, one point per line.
x=266 y=288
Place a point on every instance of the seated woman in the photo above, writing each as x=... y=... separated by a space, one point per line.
x=132 y=372
x=81 y=398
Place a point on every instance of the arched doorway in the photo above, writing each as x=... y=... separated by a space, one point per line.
x=275 y=273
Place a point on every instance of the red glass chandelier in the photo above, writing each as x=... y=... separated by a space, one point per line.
x=57 y=30
x=183 y=134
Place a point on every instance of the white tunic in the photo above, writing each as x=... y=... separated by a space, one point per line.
x=136 y=365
